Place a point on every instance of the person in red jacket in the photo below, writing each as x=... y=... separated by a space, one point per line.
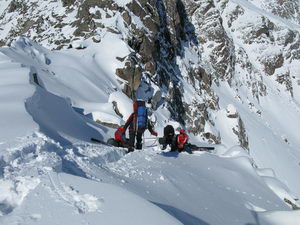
x=180 y=142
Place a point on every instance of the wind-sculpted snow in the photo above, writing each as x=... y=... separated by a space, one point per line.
x=14 y=191
x=162 y=178
x=31 y=182
x=12 y=101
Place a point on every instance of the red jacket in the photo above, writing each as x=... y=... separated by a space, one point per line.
x=181 y=140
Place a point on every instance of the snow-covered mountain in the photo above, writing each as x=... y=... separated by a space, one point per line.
x=225 y=70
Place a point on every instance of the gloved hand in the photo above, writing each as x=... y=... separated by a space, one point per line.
x=154 y=133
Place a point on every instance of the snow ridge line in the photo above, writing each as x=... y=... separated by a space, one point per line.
x=267 y=175
x=252 y=7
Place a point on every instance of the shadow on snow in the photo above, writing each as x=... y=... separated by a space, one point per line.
x=182 y=216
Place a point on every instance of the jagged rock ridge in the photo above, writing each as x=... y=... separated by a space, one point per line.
x=186 y=43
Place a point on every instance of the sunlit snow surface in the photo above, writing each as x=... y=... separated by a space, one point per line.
x=50 y=172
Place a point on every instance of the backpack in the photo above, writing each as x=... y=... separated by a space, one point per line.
x=120 y=135
x=142 y=116
x=141 y=113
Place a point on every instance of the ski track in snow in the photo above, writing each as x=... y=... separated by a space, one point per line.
x=84 y=203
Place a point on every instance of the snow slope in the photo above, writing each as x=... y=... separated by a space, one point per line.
x=271 y=120
x=13 y=101
x=66 y=199
x=50 y=173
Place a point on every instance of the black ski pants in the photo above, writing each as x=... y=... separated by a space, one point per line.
x=138 y=135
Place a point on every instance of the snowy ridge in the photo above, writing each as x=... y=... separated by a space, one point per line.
x=16 y=112
x=133 y=172
x=159 y=178
x=61 y=146
x=252 y=7
x=51 y=173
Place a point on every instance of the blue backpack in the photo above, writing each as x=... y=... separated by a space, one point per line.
x=141 y=116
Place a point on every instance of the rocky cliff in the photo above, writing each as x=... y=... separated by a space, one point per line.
x=185 y=50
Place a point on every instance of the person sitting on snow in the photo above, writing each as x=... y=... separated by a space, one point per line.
x=180 y=142
x=168 y=137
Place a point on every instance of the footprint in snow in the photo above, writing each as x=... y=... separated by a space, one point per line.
x=35 y=217
x=85 y=203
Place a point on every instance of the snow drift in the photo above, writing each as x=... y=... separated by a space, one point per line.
x=52 y=173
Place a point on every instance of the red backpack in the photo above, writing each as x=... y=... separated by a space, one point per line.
x=119 y=135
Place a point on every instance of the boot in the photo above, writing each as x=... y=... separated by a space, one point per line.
x=139 y=146
x=130 y=149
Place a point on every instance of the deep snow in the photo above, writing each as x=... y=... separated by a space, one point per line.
x=52 y=174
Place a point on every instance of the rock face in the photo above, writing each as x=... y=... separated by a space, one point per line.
x=288 y=9
x=184 y=47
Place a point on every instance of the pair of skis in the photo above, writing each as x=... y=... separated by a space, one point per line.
x=99 y=141
x=203 y=148
x=192 y=147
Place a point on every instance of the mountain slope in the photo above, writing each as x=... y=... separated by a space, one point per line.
x=225 y=70
x=204 y=188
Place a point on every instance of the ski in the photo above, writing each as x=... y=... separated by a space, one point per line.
x=108 y=144
x=100 y=141
x=202 y=148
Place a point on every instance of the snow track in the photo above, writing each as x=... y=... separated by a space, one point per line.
x=84 y=203
x=145 y=173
